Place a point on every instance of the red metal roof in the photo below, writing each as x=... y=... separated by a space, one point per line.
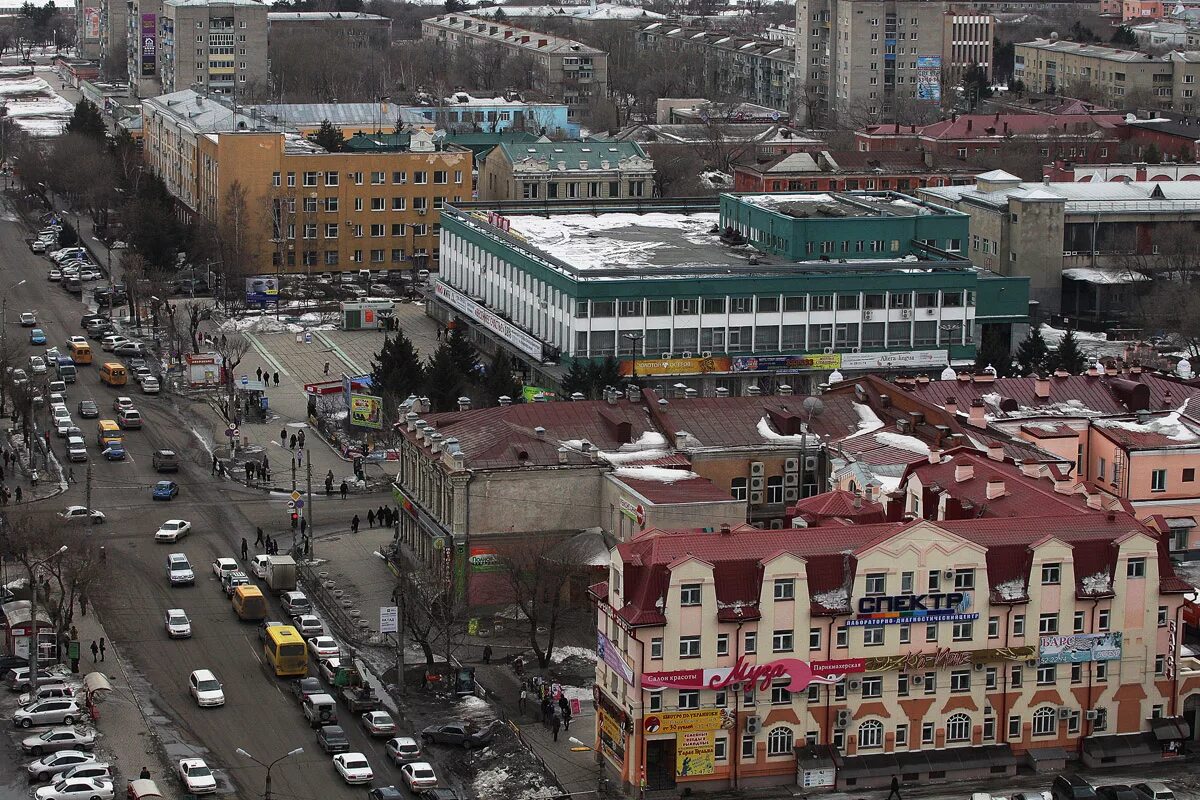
x=733 y=421
x=840 y=504
x=982 y=126
x=691 y=490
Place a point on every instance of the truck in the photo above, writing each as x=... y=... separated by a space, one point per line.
x=281 y=573
x=355 y=692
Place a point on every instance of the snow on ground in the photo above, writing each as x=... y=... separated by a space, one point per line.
x=1093 y=345
x=1190 y=572
x=8 y=71
x=499 y=782
x=563 y=653
x=593 y=242
x=261 y=324
x=656 y=474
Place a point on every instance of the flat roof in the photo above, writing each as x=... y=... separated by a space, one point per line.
x=837 y=206
x=657 y=239
x=1086 y=196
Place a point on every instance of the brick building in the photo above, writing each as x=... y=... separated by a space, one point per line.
x=852 y=170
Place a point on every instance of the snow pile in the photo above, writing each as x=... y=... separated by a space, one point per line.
x=836 y=600
x=27 y=86
x=714 y=179
x=773 y=201
x=499 y=782
x=656 y=474
x=617 y=459
x=607 y=240
x=902 y=442
x=1100 y=583
x=563 y=653
x=650 y=445
x=1093 y=345
x=767 y=432
x=1010 y=590
x=1170 y=426
x=868 y=421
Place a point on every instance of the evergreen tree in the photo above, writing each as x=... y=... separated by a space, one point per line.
x=1032 y=354
x=578 y=378
x=499 y=380
x=396 y=369
x=1124 y=35
x=444 y=382
x=608 y=373
x=465 y=356
x=86 y=121
x=67 y=236
x=994 y=352
x=1068 y=356
x=328 y=137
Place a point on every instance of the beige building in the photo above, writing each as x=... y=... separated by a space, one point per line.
x=565 y=171
x=220 y=46
x=114 y=30
x=565 y=70
x=881 y=60
x=1117 y=78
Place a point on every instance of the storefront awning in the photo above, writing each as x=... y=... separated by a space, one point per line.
x=1128 y=744
x=1168 y=729
x=952 y=759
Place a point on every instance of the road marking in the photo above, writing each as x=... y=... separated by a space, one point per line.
x=262 y=350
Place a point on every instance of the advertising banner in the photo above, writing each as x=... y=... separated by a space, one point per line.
x=262 y=291
x=675 y=366
x=149 y=44
x=91 y=22
x=905 y=609
x=366 y=411
x=614 y=659
x=634 y=512
x=695 y=754
x=801 y=673
x=1080 y=647
x=501 y=327
x=485 y=559
x=901 y=359
x=528 y=393
x=929 y=78
x=612 y=736
x=794 y=363
x=701 y=719
x=945 y=658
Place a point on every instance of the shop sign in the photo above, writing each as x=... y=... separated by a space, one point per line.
x=901 y=359
x=613 y=657
x=612 y=737
x=695 y=754
x=486 y=559
x=701 y=719
x=945 y=658
x=802 y=673
x=675 y=366
x=792 y=363
x=1172 y=648
x=909 y=608
x=501 y=327
x=633 y=512
x=817 y=778
x=1080 y=648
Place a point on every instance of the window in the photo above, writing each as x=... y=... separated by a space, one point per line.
x=963 y=631
x=1101 y=670
x=439 y=176
x=1047 y=674
x=993 y=627
x=656 y=647
x=1162 y=616
x=958 y=728
x=1016 y=676
x=689 y=698
x=843 y=636
x=331 y=205
x=331 y=230
x=931 y=632
x=689 y=594
x=719 y=699
x=656 y=701
x=902 y=684
x=751 y=645
x=960 y=680
x=785 y=589
x=1051 y=574
x=775 y=489
x=378 y=230
x=310 y=178
x=689 y=646
x=1018 y=624
x=1076 y=673
x=782 y=641
x=1048 y=624
x=926 y=733
x=964 y=579
x=906 y=582
x=1159 y=664
x=1158 y=480
x=276 y=179
x=814 y=638
x=872 y=686
x=876 y=583
x=1045 y=722
x=722 y=644
x=872 y=635
x=379 y=204
x=901 y=735
x=1078 y=622
x=1136 y=567
x=748 y=747
x=779 y=742
x=935 y=580
x=870 y=734
x=1102 y=619
x=1189 y=473
x=989 y=678
x=780 y=695
x=905 y=634
x=748 y=695
x=930 y=683
x=737 y=488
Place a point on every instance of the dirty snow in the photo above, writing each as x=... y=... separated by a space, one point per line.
x=656 y=474
x=1170 y=426
x=261 y=324
x=1104 y=277
x=563 y=653
x=767 y=432
x=499 y=782
x=1010 y=590
x=1093 y=345
x=610 y=240
x=1100 y=583
x=650 y=445
x=835 y=600
x=902 y=442
x=618 y=459
x=868 y=421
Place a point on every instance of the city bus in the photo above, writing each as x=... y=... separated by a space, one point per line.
x=286 y=652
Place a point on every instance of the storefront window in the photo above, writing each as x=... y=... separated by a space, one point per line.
x=779 y=742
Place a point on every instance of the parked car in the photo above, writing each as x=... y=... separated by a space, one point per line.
x=462 y=734
x=47 y=767
x=1072 y=787
x=222 y=566
x=1116 y=791
x=328 y=668
x=295 y=603
x=258 y=565
x=353 y=767
x=1153 y=790
x=18 y=678
x=77 y=789
x=380 y=723
x=150 y=385
x=324 y=647
x=309 y=626
x=59 y=739
x=386 y=793
x=307 y=687
x=130 y=349
x=56 y=711
x=45 y=691
x=99 y=770
x=196 y=776
x=333 y=739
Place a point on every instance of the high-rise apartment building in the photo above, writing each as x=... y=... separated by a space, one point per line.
x=220 y=46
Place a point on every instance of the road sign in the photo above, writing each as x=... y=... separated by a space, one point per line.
x=299 y=503
x=389 y=619
x=291 y=504
x=295 y=495
x=232 y=433
x=245 y=380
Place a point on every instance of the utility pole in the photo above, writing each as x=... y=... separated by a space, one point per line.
x=87 y=491
x=308 y=506
x=293 y=471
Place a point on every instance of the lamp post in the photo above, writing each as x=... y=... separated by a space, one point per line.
x=33 y=620
x=379 y=101
x=4 y=309
x=268 y=767
x=635 y=340
x=601 y=781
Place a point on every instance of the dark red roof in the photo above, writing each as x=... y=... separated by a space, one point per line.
x=837 y=504
x=733 y=421
x=981 y=126
x=690 y=490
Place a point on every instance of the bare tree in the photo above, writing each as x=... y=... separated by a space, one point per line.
x=538 y=572
x=232 y=347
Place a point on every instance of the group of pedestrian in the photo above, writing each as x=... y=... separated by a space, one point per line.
x=386 y=516
x=258 y=470
x=296 y=440
x=555 y=715
x=98 y=650
x=266 y=377
x=6 y=494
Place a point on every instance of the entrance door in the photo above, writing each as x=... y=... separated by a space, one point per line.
x=660 y=764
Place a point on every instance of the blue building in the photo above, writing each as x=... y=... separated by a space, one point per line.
x=463 y=112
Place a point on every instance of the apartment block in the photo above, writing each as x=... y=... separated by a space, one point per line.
x=567 y=70
x=114 y=30
x=348 y=29
x=143 y=46
x=218 y=46
x=1118 y=78
x=566 y=171
x=869 y=60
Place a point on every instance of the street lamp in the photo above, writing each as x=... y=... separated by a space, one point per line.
x=4 y=309
x=635 y=341
x=33 y=620
x=267 y=791
x=601 y=781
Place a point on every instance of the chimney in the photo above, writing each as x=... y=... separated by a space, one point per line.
x=1093 y=371
x=935 y=455
x=969 y=121
x=422 y=428
x=1094 y=500
x=1064 y=486
x=975 y=417
x=504 y=400
x=577 y=396
x=426 y=406
x=754 y=391
x=1041 y=387
x=464 y=403
x=963 y=472
x=995 y=488
x=681 y=439
x=1030 y=469
x=722 y=391
x=539 y=432
x=1061 y=373
x=410 y=420
x=951 y=405
x=435 y=442
x=726 y=530
x=785 y=390
x=633 y=393
x=691 y=393
x=1110 y=368
x=562 y=455
x=995 y=452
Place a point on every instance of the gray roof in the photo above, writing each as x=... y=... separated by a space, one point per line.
x=1155 y=197
x=314 y=16
x=366 y=114
x=553 y=44
x=1092 y=50
x=202 y=113
x=215 y=3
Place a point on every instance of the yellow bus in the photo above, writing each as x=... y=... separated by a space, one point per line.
x=113 y=373
x=107 y=431
x=286 y=652
x=81 y=353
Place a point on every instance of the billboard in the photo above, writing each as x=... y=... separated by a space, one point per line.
x=704 y=719
x=929 y=78
x=899 y=359
x=501 y=327
x=149 y=44
x=485 y=559
x=91 y=22
x=695 y=754
x=262 y=291
x=793 y=363
x=366 y=411
x=1080 y=647
x=646 y=367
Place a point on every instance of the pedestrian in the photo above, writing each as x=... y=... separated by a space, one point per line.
x=487 y=654
x=145 y=775
x=307 y=546
x=329 y=483
x=267 y=545
x=300 y=457
x=283 y=437
x=267 y=472
x=300 y=440
x=33 y=478
x=276 y=378
x=895 y=789
x=245 y=550
x=259 y=539
x=326 y=367
x=524 y=697
x=70 y=475
x=345 y=488
x=95 y=651
x=258 y=372
x=82 y=605
x=101 y=648
x=354 y=524
x=18 y=493
x=214 y=464
x=563 y=705
x=566 y=716
x=370 y=519
x=74 y=633
x=292 y=442
x=555 y=726
x=303 y=525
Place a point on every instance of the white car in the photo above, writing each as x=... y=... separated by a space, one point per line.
x=324 y=647
x=150 y=385
x=28 y=319
x=177 y=623
x=173 y=530
x=89 y=275
x=47 y=767
x=59 y=739
x=205 y=687
x=179 y=571
x=418 y=775
x=223 y=566
x=260 y=564
x=309 y=626
x=54 y=275
x=37 y=365
x=123 y=403
x=59 y=256
x=379 y=723
x=77 y=339
x=196 y=776
x=141 y=373
x=77 y=789
x=109 y=342
x=79 y=513
x=76 y=449
x=353 y=767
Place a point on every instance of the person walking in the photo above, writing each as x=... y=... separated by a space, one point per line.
x=18 y=494
x=555 y=726
x=354 y=524
x=276 y=378
x=303 y=525
x=258 y=372
x=258 y=540
x=283 y=437
x=95 y=651
x=487 y=654
x=345 y=488
x=245 y=550
x=329 y=483
x=895 y=789
x=300 y=440
x=101 y=648
x=370 y=519
x=70 y=475
x=33 y=478
x=267 y=545
x=292 y=442
x=82 y=605
x=145 y=774
x=566 y=716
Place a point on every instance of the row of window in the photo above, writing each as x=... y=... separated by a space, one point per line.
x=377 y=178
x=1158 y=477
x=770 y=304
x=532 y=190
x=377 y=231
x=332 y=258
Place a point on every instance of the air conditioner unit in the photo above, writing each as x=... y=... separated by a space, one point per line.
x=791 y=495
x=666 y=356
x=810 y=463
x=706 y=353
x=421 y=212
x=686 y=354
x=791 y=479
x=757 y=468
x=929 y=312
x=906 y=314
x=979 y=667
x=757 y=483
x=756 y=498
x=791 y=464
x=948 y=574
x=868 y=316
x=855 y=349
x=753 y=724
x=776 y=524
x=918 y=680
x=1064 y=713
x=1091 y=715
x=854 y=685
x=843 y=719
x=827 y=350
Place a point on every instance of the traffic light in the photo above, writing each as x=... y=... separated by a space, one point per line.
x=295 y=520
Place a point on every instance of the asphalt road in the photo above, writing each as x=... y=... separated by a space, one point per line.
x=261 y=714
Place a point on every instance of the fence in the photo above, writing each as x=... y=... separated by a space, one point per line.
x=352 y=626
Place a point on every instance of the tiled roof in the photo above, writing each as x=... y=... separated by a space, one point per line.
x=839 y=504
x=691 y=490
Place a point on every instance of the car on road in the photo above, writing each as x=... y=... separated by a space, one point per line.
x=88 y=409
x=418 y=775
x=307 y=687
x=333 y=739
x=172 y=530
x=387 y=793
x=37 y=246
x=231 y=580
x=115 y=451
x=37 y=365
x=109 y=342
x=57 y=739
x=324 y=647
x=37 y=336
x=64 y=427
x=196 y=776
x=76 y=449
x=77 y=789
x=458 y=733
x=166 y=490
x=309 y=626
x=122 y=403
x=295 y=603
x=222 y=566
x=55 y=711
x=80 y=513
x=402 y=749
x=380 y=723
x=54 y=275
x=150 y=385
x=140 y=373
x=130 y=349
x=1116 y=791
x=328 y=668
x=179 y=570
x=28 y=319
x=47 y=767
x=165 y=461
x=177 y=623
x=205 y=687
x=353 y=767
x=99 y=770
x=1153 y=790
x=266 y=624
x=258 y=565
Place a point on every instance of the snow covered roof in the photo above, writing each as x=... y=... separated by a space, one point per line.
x=1104 y=276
